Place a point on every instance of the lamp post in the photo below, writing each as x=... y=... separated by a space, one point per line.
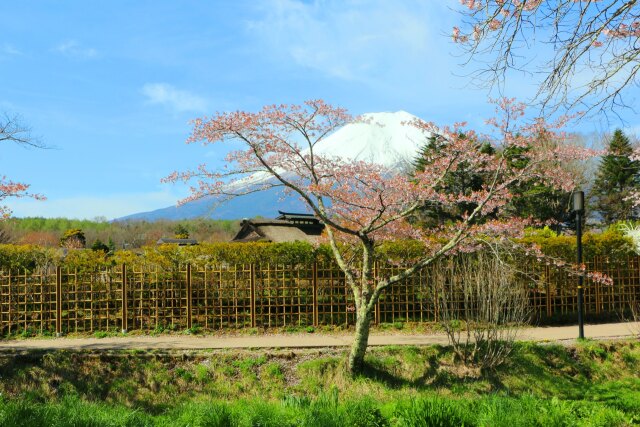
x=578 y=208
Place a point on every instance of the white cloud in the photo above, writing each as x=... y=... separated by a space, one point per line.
x=176 y=99
x=352 y=40
x=72 y=48
x=87 y=207
x=7 y=49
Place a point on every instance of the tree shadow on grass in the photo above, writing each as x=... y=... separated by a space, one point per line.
x=556 y=371
x=434 y=374
x=544 y=370
x=435 y=379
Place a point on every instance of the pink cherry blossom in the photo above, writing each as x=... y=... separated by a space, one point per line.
x=13 y=189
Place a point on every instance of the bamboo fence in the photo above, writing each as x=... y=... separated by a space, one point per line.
x=150 y=298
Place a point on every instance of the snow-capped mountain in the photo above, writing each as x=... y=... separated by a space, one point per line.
x=381 y=138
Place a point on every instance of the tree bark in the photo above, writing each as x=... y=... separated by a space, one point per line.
x=361 y=339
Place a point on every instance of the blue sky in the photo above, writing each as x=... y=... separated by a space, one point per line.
x=111 y=86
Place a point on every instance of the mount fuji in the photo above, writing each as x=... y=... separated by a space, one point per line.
x=382 y=138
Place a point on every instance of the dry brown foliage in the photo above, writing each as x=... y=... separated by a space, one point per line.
x=482 y=303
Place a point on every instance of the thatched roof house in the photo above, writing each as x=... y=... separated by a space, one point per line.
x=287 y=227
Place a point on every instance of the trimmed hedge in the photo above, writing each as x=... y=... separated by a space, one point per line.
x=610 y=244
x=28 y=257
x=31 y=257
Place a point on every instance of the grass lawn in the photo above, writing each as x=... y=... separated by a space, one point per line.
x=590 y=384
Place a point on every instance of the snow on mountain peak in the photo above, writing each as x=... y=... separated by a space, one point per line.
x=383 y=138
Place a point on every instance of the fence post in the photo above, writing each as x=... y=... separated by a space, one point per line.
x=315 y=293
x=598 y=266
x=547 y=282
x=252 y=294
x=376 y=311
x=58 y=301
x=189 y=296
x=125 y=301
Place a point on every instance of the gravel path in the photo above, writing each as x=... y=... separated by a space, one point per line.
x=200 y=342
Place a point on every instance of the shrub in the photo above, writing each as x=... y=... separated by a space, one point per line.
x=484 y=292
x=28 y=257
x=86 y=260
x=611 y=244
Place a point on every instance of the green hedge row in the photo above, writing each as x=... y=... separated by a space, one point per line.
x=610 y=244
x=31 y=257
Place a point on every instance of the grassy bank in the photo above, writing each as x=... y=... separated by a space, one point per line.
x=593 y=383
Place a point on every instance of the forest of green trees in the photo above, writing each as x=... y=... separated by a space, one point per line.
x=53 y=232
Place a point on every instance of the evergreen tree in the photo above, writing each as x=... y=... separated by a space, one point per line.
x=462 y=181
x=532 y=199
x=99 y=245
x=616 y=178
x=111 y=245
x=181 y=232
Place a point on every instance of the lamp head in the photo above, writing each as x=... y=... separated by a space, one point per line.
x=578 y=201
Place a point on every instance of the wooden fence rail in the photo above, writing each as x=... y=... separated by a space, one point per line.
x=150 y=298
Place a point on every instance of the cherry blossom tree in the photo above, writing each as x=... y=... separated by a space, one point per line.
x=589 y=48
x=364 y=204
x=12 y=131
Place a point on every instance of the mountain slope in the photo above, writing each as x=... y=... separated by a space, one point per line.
x=382 y=138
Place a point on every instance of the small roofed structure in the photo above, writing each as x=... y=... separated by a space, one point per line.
x=287 y=227
x=179 y=242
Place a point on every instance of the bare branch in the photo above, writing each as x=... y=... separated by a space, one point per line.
x=13 y=130
x=591 y=48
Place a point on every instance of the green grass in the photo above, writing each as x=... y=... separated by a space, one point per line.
x=324 y=411
x=589 y=384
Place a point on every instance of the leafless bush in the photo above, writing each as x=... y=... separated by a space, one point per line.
x=482 y=303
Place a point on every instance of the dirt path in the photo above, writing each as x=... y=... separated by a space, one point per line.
x=188 y=342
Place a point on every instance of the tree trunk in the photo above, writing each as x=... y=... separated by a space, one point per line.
x=361 y=339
